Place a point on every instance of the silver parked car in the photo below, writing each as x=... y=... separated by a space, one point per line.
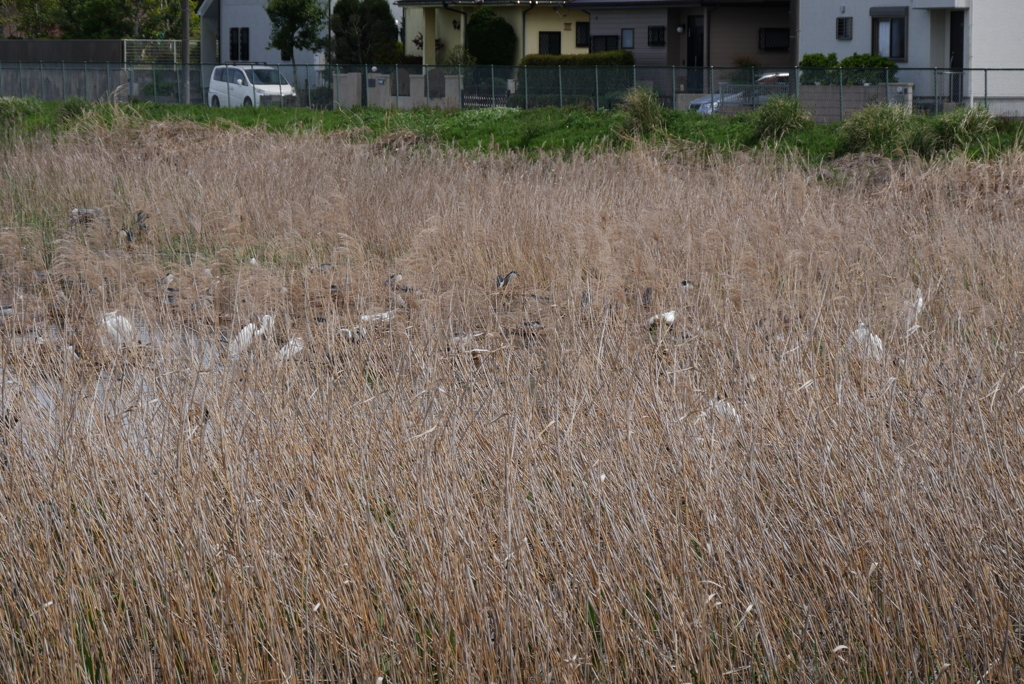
x=736 y=96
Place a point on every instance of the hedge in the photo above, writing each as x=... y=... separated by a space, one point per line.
x=858 y=68
x=608 y=58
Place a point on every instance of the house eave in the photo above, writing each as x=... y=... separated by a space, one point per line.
x=634 y=4
x=483 y=3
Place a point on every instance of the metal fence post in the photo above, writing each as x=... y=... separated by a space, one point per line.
x=560 y=102
x=21 y=79
x=526 y=87
x=673 y=89
x=597 y=88
x=711 y=86
x=63 y=83
x=842 y=108
x=492 y=86
x=886 y=86
x=634 y=74
x=108 y=78
x=935 y=88
x=986 y=88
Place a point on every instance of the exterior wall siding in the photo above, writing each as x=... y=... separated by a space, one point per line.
x=554 y=19
x=734 y=34
x=993 y=35
x=252 y=15
x=818 y=30
x=611 y=22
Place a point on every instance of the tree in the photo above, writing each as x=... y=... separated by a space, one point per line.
x=38 y=19
x=98 y=18
x=295 y=25
x=490 y=38
x=364 y=31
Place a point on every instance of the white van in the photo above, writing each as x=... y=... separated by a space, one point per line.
x=248 y=85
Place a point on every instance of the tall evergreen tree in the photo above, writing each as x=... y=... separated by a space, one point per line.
x=364 y=31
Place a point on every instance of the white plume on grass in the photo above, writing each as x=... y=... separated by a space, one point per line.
x=866 y=344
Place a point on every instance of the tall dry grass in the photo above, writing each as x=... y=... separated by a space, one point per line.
x=568 y=505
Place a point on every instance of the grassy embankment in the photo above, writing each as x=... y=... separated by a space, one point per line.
x=880 y=130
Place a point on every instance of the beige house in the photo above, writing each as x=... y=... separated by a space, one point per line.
x=541 y=26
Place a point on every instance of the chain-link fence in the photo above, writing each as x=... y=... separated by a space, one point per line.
x=830 y=94
x=140 y=51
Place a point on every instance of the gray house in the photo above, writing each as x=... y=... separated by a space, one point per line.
x=693 y=33
x=239 y=31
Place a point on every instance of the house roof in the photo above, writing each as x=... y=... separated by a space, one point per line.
x=637 y=4
x=481 y=3
x=205 y=6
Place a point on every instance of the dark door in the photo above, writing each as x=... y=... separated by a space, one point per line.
x=956 y=55
x=695 y=54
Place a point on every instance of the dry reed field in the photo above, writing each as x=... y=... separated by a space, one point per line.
x=542 y=482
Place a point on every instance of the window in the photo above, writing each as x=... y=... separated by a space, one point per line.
x=602 y=43
x=889 y=32
x=239 y=41
x=550 y=43
x=844 y=28
x=218 y=74
x=627 y=39
x=655 y=36
x=773 y=39
x=582 y=33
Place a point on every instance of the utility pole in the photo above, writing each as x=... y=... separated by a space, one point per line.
x=186 y=29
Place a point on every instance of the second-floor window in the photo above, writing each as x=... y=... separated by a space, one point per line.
x=550 y=43
x=844 y=28
x=656 y=35
x=627 y=39
x=889 y=32
x=239 y=44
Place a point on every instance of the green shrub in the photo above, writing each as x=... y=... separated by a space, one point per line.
x=159 y=88
x=607 y=58
x=956 y=130
x=458 y=56
x=15 y=109
x=490 y=38
x=816 y=67
x=72 y=108
x=779 y=116
x=863 y=68
x=881 y=128
x=644 y=113
x=321 y=97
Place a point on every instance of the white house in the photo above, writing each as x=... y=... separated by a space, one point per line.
x=239 y=31
x=942 y=38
